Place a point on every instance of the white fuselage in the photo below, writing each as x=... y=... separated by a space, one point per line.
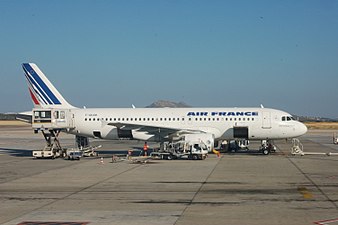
x=51 y=111
x=222 y=123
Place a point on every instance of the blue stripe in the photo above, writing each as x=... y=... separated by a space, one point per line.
x=42 y=84
x=36 y=92
x=31 y=88
x=35 y=86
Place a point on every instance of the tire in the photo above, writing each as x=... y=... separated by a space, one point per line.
x=194 y=157
x=169 y=157
x=265 y=151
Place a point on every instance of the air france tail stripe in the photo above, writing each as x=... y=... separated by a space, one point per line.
x=34 y=91
x=40 y=97
x=45 y=88
x=45 y=91
x=38 y=90
x=36 y=102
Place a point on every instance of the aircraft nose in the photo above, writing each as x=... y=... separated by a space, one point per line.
x=301 y=128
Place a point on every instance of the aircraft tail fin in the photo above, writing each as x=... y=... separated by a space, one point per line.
x=42 y=91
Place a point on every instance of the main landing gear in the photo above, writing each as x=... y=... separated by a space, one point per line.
x=267 y=147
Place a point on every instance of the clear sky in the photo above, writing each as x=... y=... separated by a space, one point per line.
x=282 y=54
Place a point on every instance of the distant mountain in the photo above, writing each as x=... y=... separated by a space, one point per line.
x=168 y=104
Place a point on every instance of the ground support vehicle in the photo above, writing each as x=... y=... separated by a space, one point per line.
x=181 y=150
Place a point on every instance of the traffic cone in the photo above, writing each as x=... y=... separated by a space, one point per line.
x=101 y=160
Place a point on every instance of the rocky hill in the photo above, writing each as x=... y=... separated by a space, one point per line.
x=168 y=104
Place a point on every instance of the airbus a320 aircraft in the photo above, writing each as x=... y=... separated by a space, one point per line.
x=52 y=112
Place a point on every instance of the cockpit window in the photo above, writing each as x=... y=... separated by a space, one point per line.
x=287 y=118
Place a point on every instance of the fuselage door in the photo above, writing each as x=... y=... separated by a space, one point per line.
x=266 y=120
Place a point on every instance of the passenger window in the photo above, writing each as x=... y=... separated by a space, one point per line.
x=62 y=115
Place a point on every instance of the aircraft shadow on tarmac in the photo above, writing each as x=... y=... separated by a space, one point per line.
x=16 y=152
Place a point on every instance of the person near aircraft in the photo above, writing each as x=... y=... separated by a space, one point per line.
x=145 y=149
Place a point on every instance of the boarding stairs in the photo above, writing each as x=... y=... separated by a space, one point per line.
x=297 y=149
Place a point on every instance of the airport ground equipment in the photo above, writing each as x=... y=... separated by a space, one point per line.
x=73 y=154
x=190 y=146
x=297 y=149
x=53 y=147
x=84 y=146
x=267 y=147
x=335 y=139
x=51 y=122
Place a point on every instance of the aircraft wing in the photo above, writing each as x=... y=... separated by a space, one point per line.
x=163 y=132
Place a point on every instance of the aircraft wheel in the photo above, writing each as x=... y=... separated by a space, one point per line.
x=266 y=151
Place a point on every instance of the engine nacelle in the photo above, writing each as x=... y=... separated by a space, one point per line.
x=140 y=135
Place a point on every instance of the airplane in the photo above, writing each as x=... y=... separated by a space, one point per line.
x=53 y=113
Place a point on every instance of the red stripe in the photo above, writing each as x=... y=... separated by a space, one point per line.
x=36 y=102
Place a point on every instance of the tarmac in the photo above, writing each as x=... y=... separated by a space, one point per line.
x=238 y=188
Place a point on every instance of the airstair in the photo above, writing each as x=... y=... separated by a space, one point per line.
x=297 y=149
